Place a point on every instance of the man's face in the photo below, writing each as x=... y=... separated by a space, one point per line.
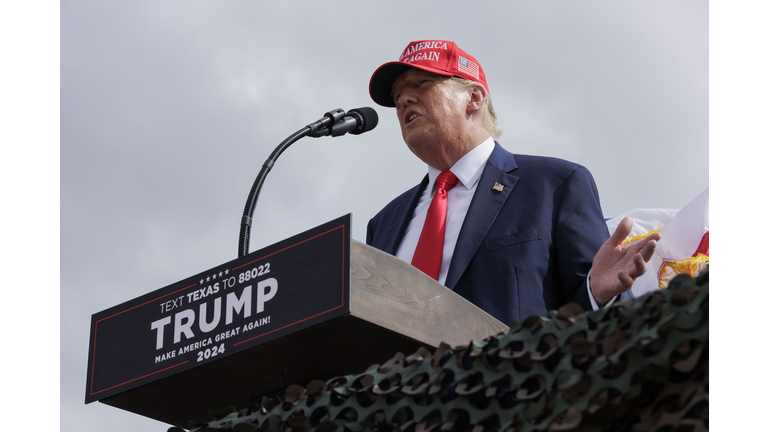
x=431 y=110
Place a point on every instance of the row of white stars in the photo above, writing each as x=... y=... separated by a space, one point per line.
x=214 y=276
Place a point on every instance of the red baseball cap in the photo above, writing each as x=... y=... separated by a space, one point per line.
x=436 y=56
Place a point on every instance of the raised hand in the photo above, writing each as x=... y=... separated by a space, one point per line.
x=616 y=267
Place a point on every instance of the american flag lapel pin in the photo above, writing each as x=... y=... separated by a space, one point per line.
x=498 y=187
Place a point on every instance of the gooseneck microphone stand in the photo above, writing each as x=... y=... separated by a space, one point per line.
x=334 y=123
x=328 y=119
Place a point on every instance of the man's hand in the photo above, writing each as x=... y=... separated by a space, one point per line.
x=616 y=267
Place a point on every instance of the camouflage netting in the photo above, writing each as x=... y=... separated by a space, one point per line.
x=639 y=365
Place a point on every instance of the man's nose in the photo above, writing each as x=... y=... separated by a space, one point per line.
x=406 y=98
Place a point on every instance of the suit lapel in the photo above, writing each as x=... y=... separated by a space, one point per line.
x=402 y=216
x=483 y=210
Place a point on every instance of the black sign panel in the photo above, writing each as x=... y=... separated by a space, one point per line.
x=264 y=295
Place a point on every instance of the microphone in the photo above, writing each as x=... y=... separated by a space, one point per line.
x=356 y=121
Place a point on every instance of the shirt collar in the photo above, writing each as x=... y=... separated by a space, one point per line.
x=469 y=168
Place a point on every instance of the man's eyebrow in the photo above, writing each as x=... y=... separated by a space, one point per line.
x=394 y=83
x=417 y=75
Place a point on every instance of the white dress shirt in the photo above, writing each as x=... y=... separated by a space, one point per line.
x=468 y=170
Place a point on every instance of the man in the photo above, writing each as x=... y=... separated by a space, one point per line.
x=516 y=235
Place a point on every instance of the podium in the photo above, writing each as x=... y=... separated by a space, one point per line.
x=326 y=306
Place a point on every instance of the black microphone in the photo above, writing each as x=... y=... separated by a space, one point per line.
x=356 y=121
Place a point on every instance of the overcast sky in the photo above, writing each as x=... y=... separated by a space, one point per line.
x=169 y=109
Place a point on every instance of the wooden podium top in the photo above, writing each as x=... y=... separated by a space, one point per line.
x=392 y=307
x=394 y=295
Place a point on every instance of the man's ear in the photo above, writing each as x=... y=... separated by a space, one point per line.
x=476 y=99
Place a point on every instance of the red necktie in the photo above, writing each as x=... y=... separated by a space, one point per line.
x=429 y=251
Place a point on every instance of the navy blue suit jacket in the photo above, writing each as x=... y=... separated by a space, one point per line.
x=523 y=250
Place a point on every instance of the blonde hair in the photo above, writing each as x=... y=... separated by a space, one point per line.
x=491 y=124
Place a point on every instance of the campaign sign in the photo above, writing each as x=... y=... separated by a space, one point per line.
x=254 y=299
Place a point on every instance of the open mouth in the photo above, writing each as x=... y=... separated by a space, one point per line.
x=411 y=117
